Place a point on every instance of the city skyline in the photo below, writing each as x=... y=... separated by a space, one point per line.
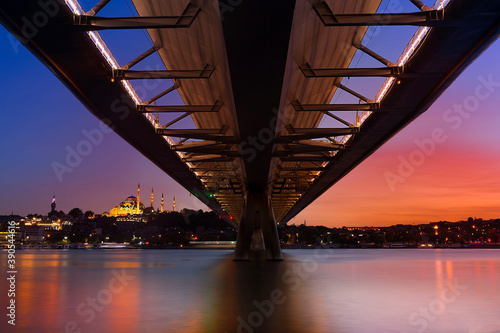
x=453 y=178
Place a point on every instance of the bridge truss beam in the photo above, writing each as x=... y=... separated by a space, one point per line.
x=422 y=18
x=92 y=23
x=126 y=74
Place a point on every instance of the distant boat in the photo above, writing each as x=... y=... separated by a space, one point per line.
x=111 y=245
x=395 y=245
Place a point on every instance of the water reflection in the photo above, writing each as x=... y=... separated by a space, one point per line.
x=253 y=298
x=205 y=291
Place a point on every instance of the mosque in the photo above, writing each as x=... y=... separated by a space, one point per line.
x=133 y=205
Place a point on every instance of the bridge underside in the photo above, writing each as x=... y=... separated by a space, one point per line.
x=256 y=81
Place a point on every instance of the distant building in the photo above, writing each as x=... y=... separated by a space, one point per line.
x=53 y=204
x=133 y=206
x=53 y=215
x=128 y=206
x=152 y=199
x=362 y=228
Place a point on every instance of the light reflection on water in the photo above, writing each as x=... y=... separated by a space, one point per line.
x=188 y=291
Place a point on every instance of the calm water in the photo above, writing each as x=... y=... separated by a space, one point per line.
x=192 y=291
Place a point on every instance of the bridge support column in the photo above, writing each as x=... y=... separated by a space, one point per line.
x=257 y=230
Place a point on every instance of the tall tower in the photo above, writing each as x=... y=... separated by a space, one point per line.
x=162 y=202
x=152 y=200
x=138 y=197
x=53 y=204
x=174 y=205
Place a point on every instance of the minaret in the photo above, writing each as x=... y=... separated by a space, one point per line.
x=174 y=205
x=53 y=204
x=138 y=197
x=152 y=200
x=162 y=202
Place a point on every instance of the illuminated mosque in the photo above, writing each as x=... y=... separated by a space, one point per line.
x=133 y=205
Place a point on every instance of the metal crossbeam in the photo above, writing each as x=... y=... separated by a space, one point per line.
x=315 y=133
x=209 y=158
x=420 y=5
x=199 y=134
x=310 y=177
x=317 y=144
x=301 y=148
x=196 y=169
x=90 y=22
x=180 y=108
x=195 y=144
x=224 y=188
x=97 y=8
x=160 y=95
x=141 y=57
x=301 y=169
x=351 y=72
x=294 y=188
x=307 y=158
x=175 y=120
x=126 y=74
x=298 y=190
x=335 y=107
x=423 y=18
x=354 y=93
x=218 y=179
x=374 y=55
x=284 y=198
x=207 y=150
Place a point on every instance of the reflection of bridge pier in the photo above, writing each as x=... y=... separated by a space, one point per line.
x=256 y=297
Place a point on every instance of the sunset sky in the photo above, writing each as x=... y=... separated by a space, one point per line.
x=458 y=179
